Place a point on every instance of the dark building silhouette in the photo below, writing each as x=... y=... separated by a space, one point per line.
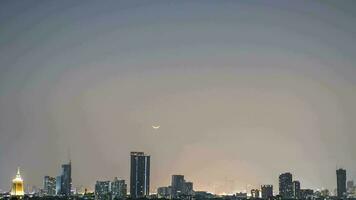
x=255 y=193
x=66 y=179
x=267 y=191
x=296 y=189
x=341 y=182
x=164 y=192
x=306 y=193
x=188 y=188
x=139 y=175
x=286 y=185
x=177 y=185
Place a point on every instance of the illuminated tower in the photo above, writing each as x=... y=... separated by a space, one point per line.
x=17 y=185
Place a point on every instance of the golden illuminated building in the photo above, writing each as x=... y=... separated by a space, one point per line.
x=17 y=185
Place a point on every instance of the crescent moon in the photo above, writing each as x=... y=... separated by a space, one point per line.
x=156 y=127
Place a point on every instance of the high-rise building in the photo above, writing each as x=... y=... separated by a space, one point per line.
x=17 y=188
x=177 y=185
x=118 y=188
x=58 y=185
x=102 y=190
x=341 y=182
x=267 y=191
x=296 y=189
x=255 y=193
x=49 y=186
x=286 y=185
x=66 y=179
x=139 y=175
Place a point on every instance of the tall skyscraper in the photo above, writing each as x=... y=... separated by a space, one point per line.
x=139 y=175
x=177 y=185
x=286 y=185
x=17 y=188
x=118 y=188
x=66 y=179
x=267 y=191
x=49 y=186
x=102 y=190
x=341 y=182
x=296 y=189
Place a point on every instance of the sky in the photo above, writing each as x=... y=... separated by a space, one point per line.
x=243 y=91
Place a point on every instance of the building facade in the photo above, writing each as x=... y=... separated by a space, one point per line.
x=296 y=189
x=286 y=185
x=49 y=186
x=102 y=190
x=164 y=192
x=139 y=175
x=118 y=188
x=177 y=185
x=255 y=193
x=66 y=180
x=341 y=183
x=17 y=189
x=267 y=191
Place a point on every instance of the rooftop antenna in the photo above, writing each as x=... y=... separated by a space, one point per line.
x=69 y=156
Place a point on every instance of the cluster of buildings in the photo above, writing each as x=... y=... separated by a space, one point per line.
x=116 y=189
x=61 y=186
x=179 y=188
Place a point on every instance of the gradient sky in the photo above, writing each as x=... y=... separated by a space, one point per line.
x=243 y=90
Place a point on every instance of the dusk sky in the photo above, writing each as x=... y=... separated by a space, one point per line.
x=242 y=90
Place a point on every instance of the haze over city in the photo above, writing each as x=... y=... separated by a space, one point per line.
x=229 y=93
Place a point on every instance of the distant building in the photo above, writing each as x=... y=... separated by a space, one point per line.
x=58 y=185
x=188 y=188
x=164 y=192
x=17 y=189
x=180 y=187
x=241 y=195
x=306 y=193
x=350 y=187
x=341 y=183
x=139 y=175
x=118 y=188
x=267 y=191
x=177 y=185
x=286 y=185
x=296 y=189
x=102 y=190
x=203 y=195
x=255 y=193
x=66 y=179
x=49 y=186
x=325 y=193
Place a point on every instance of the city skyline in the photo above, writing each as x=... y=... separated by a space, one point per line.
x=288 y=188
x=229 y=94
